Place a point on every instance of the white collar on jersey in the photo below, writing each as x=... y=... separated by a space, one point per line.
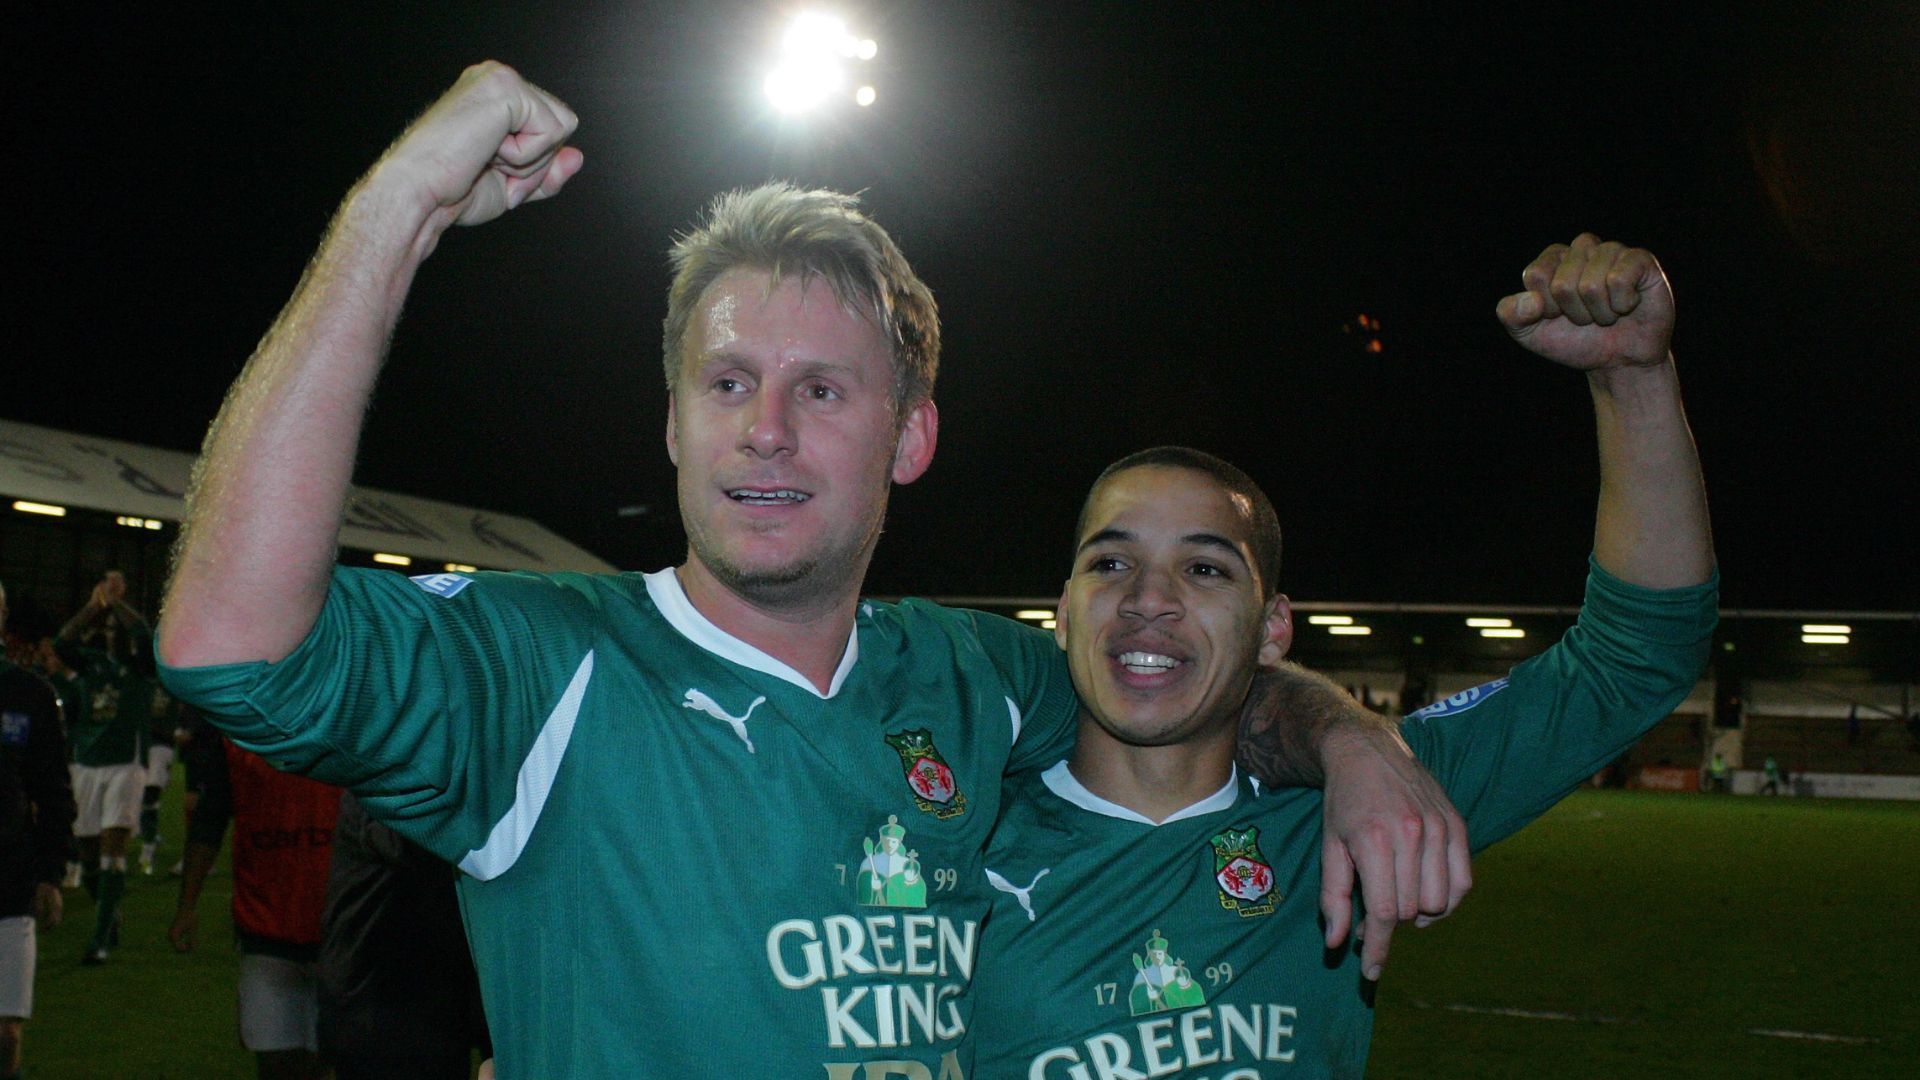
x=664 y=587
x=1061 y=781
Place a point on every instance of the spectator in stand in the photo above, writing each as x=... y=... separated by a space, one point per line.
x=36 y=820
x=282 y=840
x=399 y=999
x=111 y=647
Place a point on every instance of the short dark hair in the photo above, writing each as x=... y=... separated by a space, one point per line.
x=1265 y=523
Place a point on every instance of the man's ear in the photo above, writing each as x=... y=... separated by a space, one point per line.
x=1060 y=620
x=673 y=433
x=917 y=438
x=1276 y=630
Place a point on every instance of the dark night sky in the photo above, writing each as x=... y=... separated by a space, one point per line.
x=1142 y=227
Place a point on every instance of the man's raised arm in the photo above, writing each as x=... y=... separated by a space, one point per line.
x=1606 y=309
x=263 y=514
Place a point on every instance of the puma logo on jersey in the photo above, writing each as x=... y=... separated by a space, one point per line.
x=1025 y=896
x=697 y=700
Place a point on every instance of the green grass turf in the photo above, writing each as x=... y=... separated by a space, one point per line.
x=1684 y=921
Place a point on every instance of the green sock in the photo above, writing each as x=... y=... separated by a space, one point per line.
x=113 y=885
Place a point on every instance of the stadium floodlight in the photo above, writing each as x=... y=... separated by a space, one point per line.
x=1350 y=631
x=46 y=509
x=813 y=51
x=798 y=85
x=1489 y=623
x=392 y=560
x=1502 y=632
x=1330 y=620
x=1824 y=628
x=1826 y=639
x=460 y=568
x=1048 y=624
x=1035 y=614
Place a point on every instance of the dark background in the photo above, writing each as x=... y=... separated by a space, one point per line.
x=1143 y=226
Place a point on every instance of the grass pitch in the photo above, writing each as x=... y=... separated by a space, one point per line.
x=1623 y=934
x=1653 y=934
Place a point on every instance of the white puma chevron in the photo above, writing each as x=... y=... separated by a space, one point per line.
x=697 y=700
x=1023 y=895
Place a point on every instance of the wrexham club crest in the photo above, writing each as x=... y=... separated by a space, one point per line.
x=928 y=774
x=1243 y=874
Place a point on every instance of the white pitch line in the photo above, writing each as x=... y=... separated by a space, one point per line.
x=1530 y=1014
x=1816 y=1036
x=1541 y=1014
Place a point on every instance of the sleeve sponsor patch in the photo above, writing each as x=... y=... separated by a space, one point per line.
x=1460 y=702
x=445 y=586
x=14 y=728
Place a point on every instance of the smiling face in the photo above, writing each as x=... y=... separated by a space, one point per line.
x=1163 y=620
x=782 y=425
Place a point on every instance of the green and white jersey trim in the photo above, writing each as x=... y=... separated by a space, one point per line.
x=1061 y=781
x=671 y=600
x=533 y=784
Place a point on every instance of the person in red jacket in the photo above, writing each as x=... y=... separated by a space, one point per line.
x=282 y=844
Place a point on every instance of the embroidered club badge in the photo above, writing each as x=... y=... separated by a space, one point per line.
x=1244 y=877
x=934 y=788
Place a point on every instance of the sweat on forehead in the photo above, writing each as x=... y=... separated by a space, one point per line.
x=1263 y=525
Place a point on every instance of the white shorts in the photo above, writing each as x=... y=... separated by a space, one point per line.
x=18 y=948
x=159 y=765
x=106 y=797
x=279 y=1004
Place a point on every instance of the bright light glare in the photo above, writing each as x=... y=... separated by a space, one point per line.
x=1824 y=628
x=460 y=568
x=1489 y=622
x=1034 y=613
x=801 y=84
x=814 y=34
x=1495 y=631
x=1825 y=639
x=811 y=54
x=48 y=509
x=1350 y=631
x=1048 y=624
x=391 y=560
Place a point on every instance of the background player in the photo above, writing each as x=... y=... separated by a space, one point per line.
x=753 y=674
x=1154 y=915
x=110 y=647
x=36 y=818
x=282 y=838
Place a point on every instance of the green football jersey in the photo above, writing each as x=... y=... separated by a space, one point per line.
x=114 y=725
x=76 y=712
x=1117 y=949
x=681 y=859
